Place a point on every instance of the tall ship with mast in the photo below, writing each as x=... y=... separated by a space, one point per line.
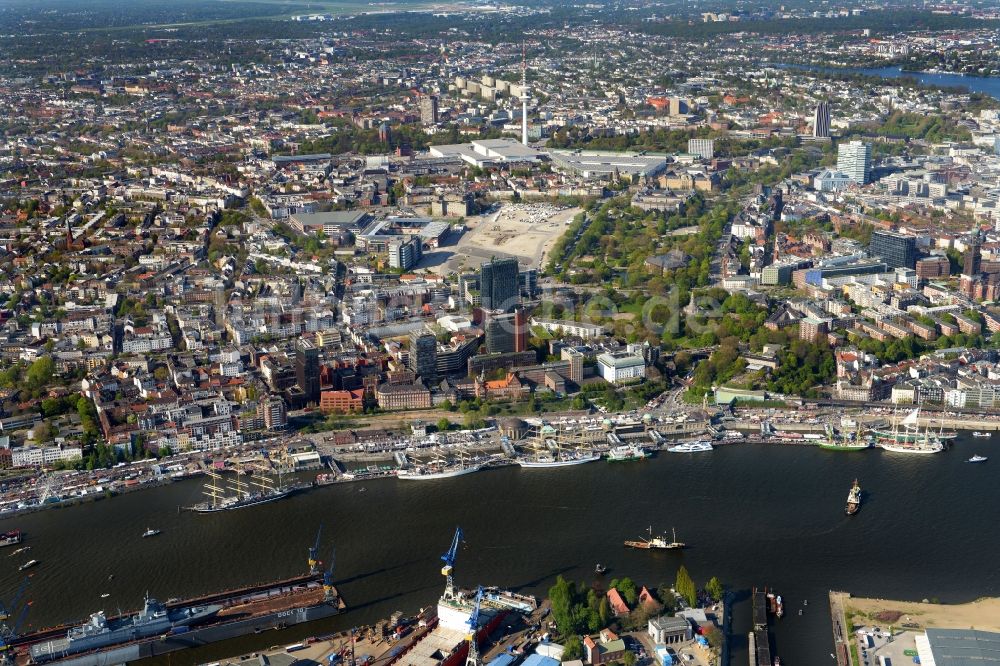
x=910 y=439
x=910 y=431
x=439 y=468
x=240 y=493
x=857 y=442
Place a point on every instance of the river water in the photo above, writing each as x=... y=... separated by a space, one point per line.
x=982 y=84
x=752 y=515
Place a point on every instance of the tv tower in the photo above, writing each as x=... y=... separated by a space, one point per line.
x=525 y=95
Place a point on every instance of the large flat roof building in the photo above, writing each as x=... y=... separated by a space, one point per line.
x=487 y=152
x=958 y=647
x=333 y=223
x=601 y=165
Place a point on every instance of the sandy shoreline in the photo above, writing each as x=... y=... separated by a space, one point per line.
x=980 y=614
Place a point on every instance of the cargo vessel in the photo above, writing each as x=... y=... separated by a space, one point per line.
x=853 y=499
x=10 y=538
x=160 y=628
x=656 y=542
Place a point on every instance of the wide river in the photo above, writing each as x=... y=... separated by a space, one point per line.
x=751 y=514
x=983 y=84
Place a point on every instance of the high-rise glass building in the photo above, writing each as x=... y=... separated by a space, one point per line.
x=429 y=109
x=821 y=121
x=307 y=370
x=507 y=331
x=499 y=284
x=855 y=159
x=423 y=355
x=896 y=250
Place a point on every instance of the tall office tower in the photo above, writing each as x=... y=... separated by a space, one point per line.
x=423 y=355
x=855 y=160
x=499 y=286
x=307 y=370
x=896 y=250
x=821 y=121
x=507 y=331
x=429 y=109
x=525 y=96
x=973 y=260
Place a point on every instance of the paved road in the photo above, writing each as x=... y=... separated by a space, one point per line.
x=841 y=633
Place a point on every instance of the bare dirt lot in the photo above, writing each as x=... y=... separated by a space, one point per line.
x=524 y=231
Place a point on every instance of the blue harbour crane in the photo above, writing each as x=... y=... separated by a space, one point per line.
x=449 y=564
x=314 y=553
x=329 y=593
x=474 y=658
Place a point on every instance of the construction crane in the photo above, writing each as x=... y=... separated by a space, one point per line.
x=314 y=552
x=329 y=593
x=449 y=564
x=473 y=657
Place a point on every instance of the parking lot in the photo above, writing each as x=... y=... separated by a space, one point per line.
x=875 y=642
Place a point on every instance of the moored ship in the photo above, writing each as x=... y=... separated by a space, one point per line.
x=906 y=447
x=258 y=489
x=559 y=459
x=845 y=445
x=853 y=499
x=10 y=538
x=691 y=447
x=910 y=431
x=626 y=452
x=432 y=472
x=160 y=628
x=99 y=632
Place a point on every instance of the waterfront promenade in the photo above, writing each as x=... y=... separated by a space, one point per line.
x=841 y=632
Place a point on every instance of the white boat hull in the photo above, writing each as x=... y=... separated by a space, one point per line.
x=895 y=448
x=432 y=476
x=541 y=464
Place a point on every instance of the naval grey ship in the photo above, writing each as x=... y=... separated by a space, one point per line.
x=153 y=619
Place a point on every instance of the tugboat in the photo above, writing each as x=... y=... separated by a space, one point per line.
x=853 y=499
x=600 y=569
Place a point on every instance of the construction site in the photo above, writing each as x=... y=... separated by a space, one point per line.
x=521 y=231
